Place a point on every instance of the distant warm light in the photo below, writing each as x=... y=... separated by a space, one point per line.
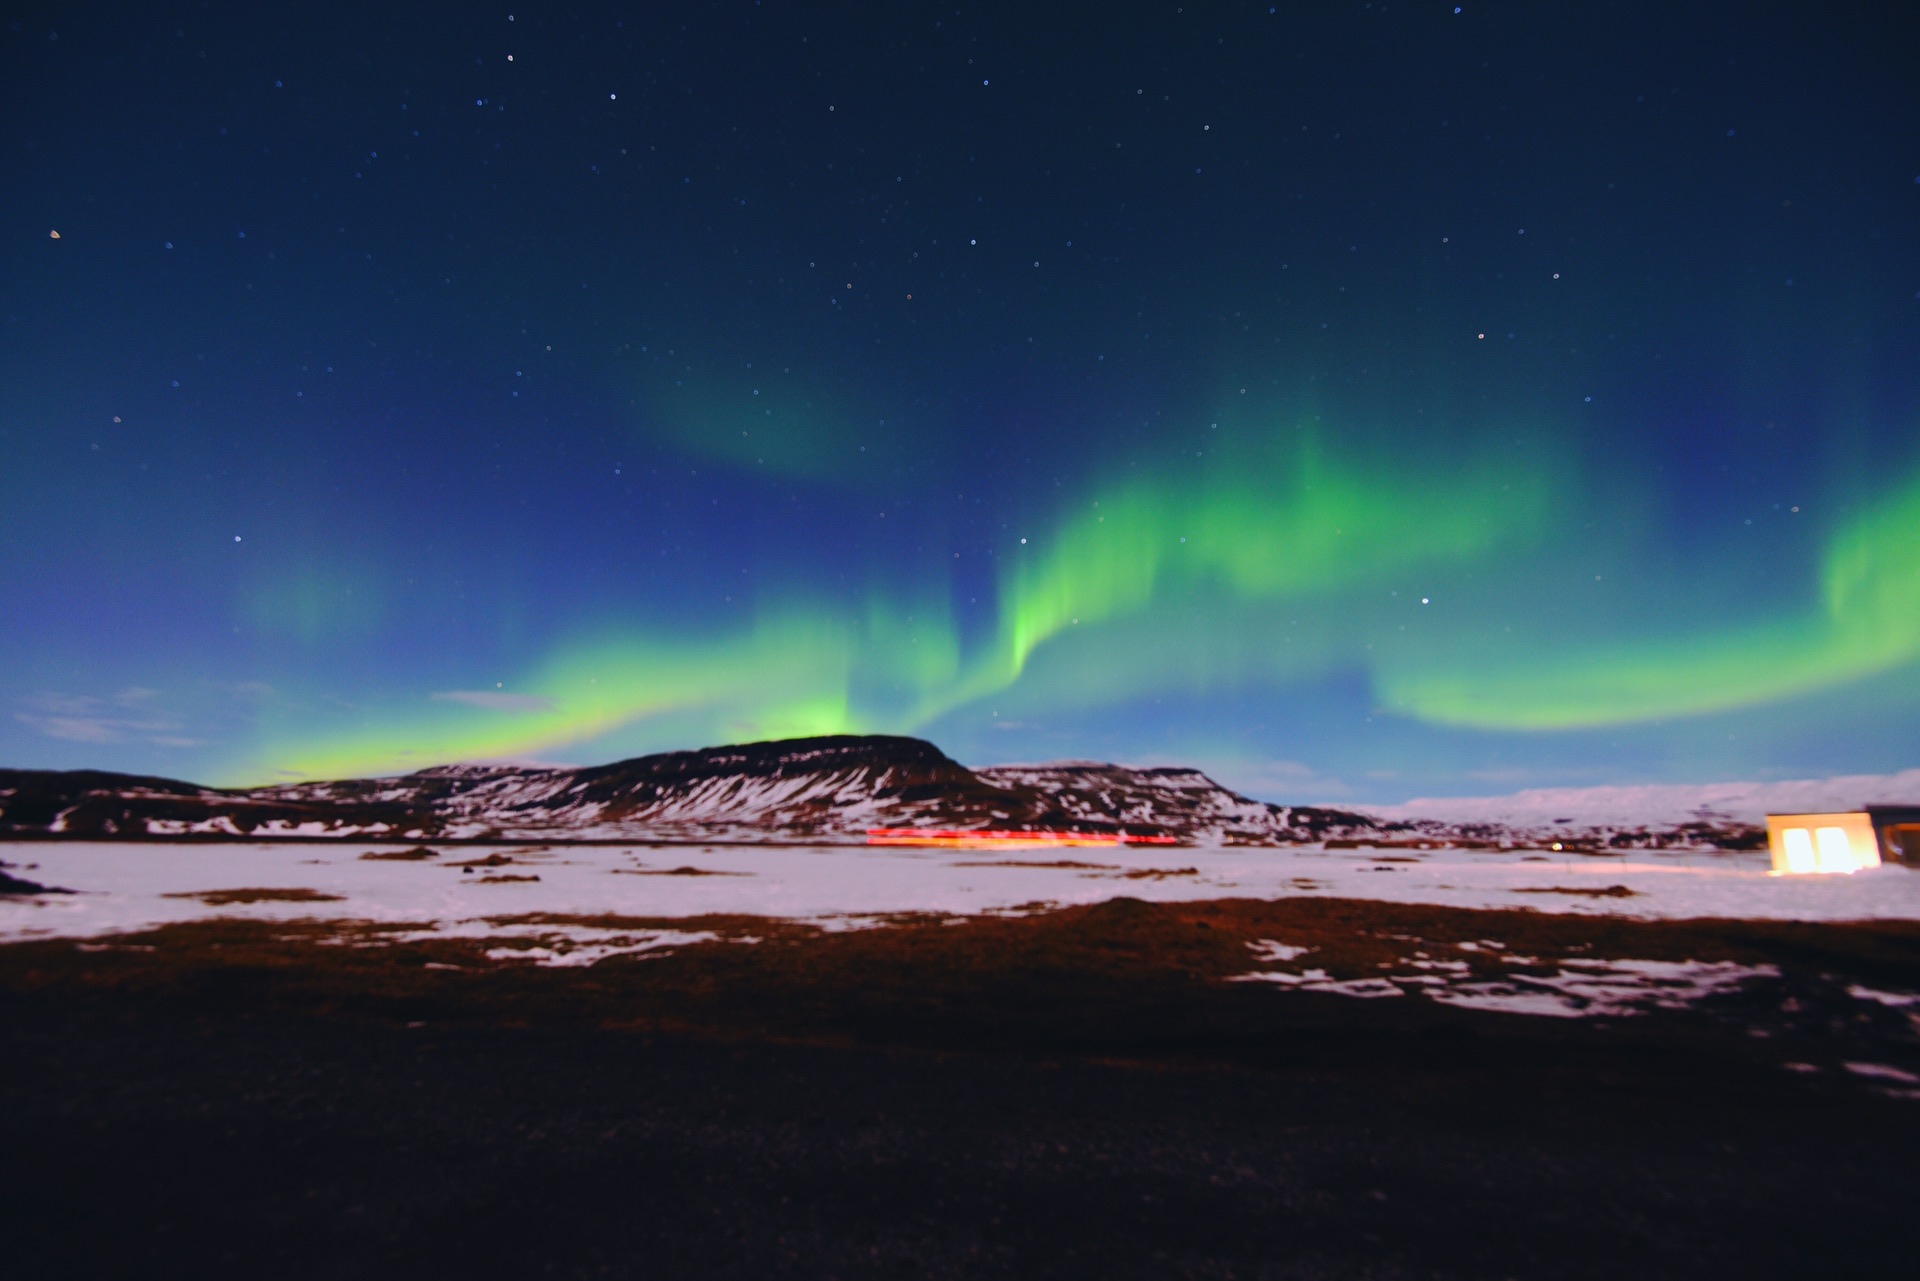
x=989 y=838
x=1805 y=844
x=1799 y=850
x=1835 y=855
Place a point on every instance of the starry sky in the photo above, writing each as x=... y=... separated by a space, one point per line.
x=1356 y=400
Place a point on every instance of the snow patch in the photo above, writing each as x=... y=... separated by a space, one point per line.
x=1578 y=989
x=550 y=944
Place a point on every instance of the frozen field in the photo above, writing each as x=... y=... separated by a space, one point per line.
x=573 y=905
x=129 y=886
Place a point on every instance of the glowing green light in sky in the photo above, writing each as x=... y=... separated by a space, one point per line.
x=1867 y=622
x=1175 y=581
x=784 y=679
x=1306 y=525
x=1265 y=528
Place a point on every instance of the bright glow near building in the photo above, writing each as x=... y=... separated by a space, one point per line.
x=1810 y=843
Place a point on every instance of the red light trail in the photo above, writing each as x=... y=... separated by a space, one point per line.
x=992 y=838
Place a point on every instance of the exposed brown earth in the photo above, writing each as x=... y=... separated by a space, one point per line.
x=222 y=898
x=418 y=854
x=1582 y=891
x=488 y=860
x=1073 y=1094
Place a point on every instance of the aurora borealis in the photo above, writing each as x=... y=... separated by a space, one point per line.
x=1356 y=400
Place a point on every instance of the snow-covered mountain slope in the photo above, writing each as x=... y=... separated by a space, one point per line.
x=834 y=789
x=1097 y=796
x=803 y=789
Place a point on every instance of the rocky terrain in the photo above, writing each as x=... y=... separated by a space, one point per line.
x=818 y=789
x=831 y=790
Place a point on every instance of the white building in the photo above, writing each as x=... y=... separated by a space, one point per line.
x=1844 y=842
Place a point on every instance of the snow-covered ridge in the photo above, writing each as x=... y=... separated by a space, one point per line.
x=832 y=790
x=822 y=789
x=1182 y=800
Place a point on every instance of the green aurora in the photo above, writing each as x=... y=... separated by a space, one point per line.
x=1135 y=589
x=1358 y=402
x=1866 y=621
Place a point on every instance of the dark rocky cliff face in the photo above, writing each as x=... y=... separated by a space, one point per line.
x=815 y=788
x=91 y=802
x=809 y=789
x=810 y=774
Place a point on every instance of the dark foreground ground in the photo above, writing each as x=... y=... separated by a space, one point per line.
x=1076 y=1095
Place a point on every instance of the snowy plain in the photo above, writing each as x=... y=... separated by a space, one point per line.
x=125 y=886
x=529 y=900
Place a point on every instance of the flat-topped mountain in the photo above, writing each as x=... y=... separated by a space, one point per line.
x=822 y=790
x=812 y=789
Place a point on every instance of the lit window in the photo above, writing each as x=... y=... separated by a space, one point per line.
x=1835 y=854
x=1799 y=849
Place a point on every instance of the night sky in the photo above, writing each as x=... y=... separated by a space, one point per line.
x=1355 y=400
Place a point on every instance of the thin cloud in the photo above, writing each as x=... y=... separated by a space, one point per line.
x=255 y=691
x=104 y=729
x=76 y=729
x=53 y=704
x=495 y=700
x=83 y=718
